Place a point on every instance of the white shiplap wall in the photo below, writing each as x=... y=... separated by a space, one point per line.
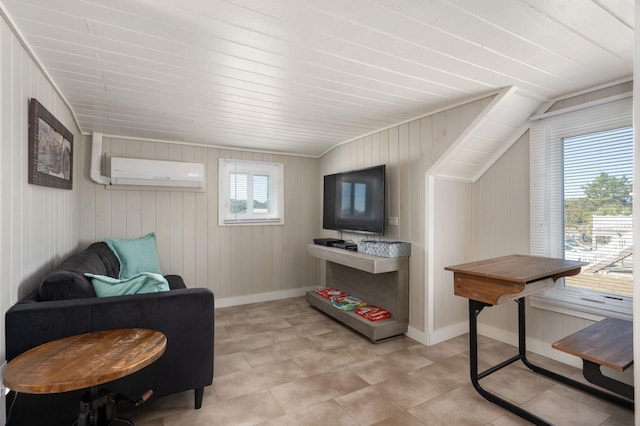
x=38 y=225
x=239 y=263
x=408 y=150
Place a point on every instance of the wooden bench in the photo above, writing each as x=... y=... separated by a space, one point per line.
x=608 y=342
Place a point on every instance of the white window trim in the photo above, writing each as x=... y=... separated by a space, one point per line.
x=276 y=191
x=546 y=137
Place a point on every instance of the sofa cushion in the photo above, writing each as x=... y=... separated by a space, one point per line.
x=135 y=255
x=67 y=281
x=108 y=258
x=63 y=285
x=144 y=282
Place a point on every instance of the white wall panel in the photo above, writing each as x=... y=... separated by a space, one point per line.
x=452 y=216
x=39 y=226
x=232 y=261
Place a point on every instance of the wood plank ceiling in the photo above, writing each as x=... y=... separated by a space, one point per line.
x=300 y=76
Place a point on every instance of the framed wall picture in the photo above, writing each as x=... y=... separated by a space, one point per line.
x=50 y=149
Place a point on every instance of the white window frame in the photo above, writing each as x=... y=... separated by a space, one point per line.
x=275 y=171
x=546 y=203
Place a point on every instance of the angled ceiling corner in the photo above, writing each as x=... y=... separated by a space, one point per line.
x=498 y=126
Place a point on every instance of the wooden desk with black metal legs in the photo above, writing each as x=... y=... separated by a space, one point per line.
x=512 y=278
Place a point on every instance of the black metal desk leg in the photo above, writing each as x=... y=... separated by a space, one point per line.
x=522 y=349
x=591 y=371
x=475 y=308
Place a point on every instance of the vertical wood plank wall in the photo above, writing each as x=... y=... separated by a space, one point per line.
x=38 y=225
x=453 y=221
x=408 y=150
x=233 y=261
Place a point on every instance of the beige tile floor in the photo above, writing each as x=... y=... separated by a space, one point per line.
x=284 y=363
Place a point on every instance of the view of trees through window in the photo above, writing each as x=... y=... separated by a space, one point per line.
x=241 y=192
x=598 y=199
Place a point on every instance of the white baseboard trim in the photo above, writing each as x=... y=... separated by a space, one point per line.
x=261 y=297
x=417 y=335
x=439 y=335
x=448 y=332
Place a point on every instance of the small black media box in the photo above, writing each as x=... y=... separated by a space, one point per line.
x=327 y=241
x=346 y=246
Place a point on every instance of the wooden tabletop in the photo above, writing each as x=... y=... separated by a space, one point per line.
x=506 y=278
x=85 y=360
x=608 y=342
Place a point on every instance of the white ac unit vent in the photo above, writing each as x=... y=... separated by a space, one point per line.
x=137 y=171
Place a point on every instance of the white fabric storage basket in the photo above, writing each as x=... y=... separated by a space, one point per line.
x=385 y=248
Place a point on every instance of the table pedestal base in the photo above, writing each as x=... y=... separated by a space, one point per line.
x=98 y=408
x=475 y=308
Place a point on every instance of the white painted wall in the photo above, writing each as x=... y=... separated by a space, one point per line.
x=408 y=150
x=451 y=210
x=240 y=264
x=38 y=225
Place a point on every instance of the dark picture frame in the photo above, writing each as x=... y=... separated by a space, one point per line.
x=50 y=149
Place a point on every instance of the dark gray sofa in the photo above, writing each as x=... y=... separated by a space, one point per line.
x=65 y=305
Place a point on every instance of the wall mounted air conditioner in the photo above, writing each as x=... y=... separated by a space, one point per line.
x=138 y=171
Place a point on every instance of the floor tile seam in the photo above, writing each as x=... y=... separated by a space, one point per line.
x=247 y=336
x=311 y=376
x=290 y=412
x=263 y=366
x=588 y=401
x=553 y=385
x=277 y=402
x=437 y=394
x=349 y=414
x=598 y=410
x=279 y=361
x=446 y=395
x=243 y=334
x=393 y=403
x=550 y=389
x=223 y=402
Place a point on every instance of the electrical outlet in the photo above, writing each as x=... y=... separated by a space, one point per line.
x=393 y=221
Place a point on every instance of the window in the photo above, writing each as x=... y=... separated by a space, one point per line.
x=354 y=196
x=251 y=192
x=581 y=202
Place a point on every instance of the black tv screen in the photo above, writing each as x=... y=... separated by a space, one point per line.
x=354 y=201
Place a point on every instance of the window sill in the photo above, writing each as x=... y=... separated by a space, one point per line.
x=253 y=223
x=592 y=311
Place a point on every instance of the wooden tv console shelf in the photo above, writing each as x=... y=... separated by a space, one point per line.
x=379 y=281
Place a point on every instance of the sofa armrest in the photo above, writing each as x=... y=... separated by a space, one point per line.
x=175 y=282
x=185 y=316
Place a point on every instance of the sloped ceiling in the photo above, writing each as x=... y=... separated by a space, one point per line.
x=490 y=134
x=302 y=76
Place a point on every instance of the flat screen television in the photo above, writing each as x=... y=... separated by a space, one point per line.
x=354 y=201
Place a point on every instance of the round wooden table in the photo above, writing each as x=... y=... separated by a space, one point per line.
x=85 y=361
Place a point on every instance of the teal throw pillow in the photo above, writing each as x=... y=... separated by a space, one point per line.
x=136 y=255
x=144 y=282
